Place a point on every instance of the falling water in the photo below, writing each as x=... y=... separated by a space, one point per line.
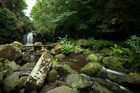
x=29 y=39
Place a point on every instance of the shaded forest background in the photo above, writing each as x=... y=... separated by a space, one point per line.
x=102 y=19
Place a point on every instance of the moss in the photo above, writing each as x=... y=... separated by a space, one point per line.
x=92 y=57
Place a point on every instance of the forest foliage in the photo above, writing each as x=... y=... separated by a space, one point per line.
x=83 y=18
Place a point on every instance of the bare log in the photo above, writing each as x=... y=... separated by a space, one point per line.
x=39 y=73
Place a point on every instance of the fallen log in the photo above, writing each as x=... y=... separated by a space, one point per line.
x=39 y=73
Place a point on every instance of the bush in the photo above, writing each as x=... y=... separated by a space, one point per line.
x=67 y=48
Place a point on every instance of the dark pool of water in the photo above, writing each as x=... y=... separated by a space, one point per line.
x=76 y=62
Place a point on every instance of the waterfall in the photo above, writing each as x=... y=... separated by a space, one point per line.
x=28 y=39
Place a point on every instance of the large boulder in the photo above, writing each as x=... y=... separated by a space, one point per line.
x=57 y=49
x=106 y=61
x=45 y=88
x=111 y=86
x=91 y=69
x=17 y=44
x=106 y=51
x=76 y=82
x=38 y=44
x=12 y=53
x=12 y=65
x=78 y=50
x=10 y=82
x=28 y=66
x=102 y=73
x=100 y=89
x=52 y=76
x=62 y=89
x=131 y=80
x=59 y=56
x=64 y=70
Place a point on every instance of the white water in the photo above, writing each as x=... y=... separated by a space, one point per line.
x=30 y=39
x=115 y=72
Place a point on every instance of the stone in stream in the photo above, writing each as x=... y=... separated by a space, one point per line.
x=52 y=76
x=39 y=73
x=17 y=44
x=14 y=67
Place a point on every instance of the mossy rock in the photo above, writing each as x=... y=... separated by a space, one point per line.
x=64 y=70
x=62 y=89
x=22 y=82
x=102 y=73
x=92 y=58
x=81 y=42
x=10 y=82
x=18 y=44
x=12 y=65
x=91 y=69
x=87 y=51
x=100 y=89
x=106 y=61
x=60 y=83
x=10 y=52
x=57 y=49
x=116 y=65
x=106 y=51
x=130 y=80
x=78 y=50
x=28 y=66
x=45 y=88
x=52 y=76
x=59 y=56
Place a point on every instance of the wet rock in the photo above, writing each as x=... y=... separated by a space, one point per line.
x=76 y=82
x=39 y=52
x=111 y=86
x=100 y=89
x=17 y=44
x=62 y=89
x=28 y=66
x=52 y=76
x=106 y=51
x=91 y=69
x=131 y=80
x=92 y=58
x=77 y=50
x=26 y=56
x=12 y=65
x=60 y=83
x=106 y=61
x=10 y=82
x=116 y=65
x=22 y=82
x=64 y=70
x=45 y=88
x=10 y=52
x=102 y=73
x=81 y=42
x=59 y=56
x=39 y=73
x=113 y=77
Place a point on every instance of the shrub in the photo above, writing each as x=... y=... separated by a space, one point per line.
x=67 y=48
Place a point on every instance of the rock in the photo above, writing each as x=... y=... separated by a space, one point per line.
x=10 y=82
x=100 y=89
x=131 y=80
x=54 y=44
x=62 y=89
x=60 y=83
x=99 y=58
x=1 y=79
x=39 y=73
x=116 y=65
x=22 y=82
x=77 y=50
x=26 y=56
x=38 y=44
x=52 y=76
x=76 y=82
x=39 y=52
x=17 y=44
x=87 y=51
x=92 y=58
x=12 y=65
x=12 y=53
x=28 y=66
x=81 y=42
x=64 y=70
x=102 y=73
x=91 y=69
x=106 y=61
x=45 y=88
x=111 y=86
x=113 y=77
x=106 y=51
x=57 y=49
x=59 y=56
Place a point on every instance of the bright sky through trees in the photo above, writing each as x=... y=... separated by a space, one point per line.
x=30 y=4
